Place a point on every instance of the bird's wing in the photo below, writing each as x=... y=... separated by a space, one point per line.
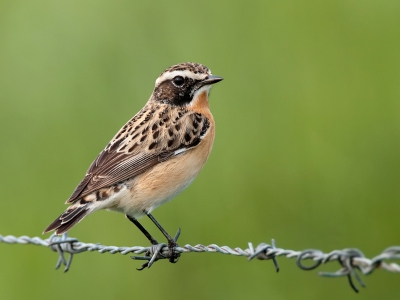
x=153 y=136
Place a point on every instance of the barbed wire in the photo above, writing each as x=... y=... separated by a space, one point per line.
x=350 y=259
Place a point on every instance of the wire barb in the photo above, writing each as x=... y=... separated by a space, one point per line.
x=352 y=261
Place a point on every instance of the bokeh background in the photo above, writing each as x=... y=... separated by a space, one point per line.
x=307 y=148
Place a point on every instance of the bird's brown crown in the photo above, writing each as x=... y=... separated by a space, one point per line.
x=195 y=68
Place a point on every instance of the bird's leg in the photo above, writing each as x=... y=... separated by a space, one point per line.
x=152 y=255
x=152 y=240
x=172 y=242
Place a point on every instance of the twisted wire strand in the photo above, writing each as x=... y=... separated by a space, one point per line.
x=351 y=259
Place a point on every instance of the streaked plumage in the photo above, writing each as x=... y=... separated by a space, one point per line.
x=154 y=156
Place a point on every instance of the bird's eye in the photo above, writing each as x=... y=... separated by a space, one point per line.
x=179 y=80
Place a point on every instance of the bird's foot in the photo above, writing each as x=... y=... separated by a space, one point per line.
x=172 y=245
x=161 y=251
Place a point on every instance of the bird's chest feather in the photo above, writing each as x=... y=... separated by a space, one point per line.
x=166 y=180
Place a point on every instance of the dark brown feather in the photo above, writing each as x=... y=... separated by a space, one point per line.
x=71 y=216
x=64 y=227
x=56 y=224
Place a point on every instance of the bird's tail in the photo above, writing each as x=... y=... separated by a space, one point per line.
x=70 y=217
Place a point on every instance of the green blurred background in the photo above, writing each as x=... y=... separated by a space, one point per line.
x=306 y=152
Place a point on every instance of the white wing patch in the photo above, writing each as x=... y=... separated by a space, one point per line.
x=179 y=151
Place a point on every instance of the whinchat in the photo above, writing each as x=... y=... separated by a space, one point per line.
x=154 y=156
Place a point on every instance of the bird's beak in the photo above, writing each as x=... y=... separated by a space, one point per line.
x=211 y=80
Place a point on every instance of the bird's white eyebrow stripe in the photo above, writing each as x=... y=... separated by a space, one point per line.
x=184 y=73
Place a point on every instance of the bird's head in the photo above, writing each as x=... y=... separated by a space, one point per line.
x=181 y=84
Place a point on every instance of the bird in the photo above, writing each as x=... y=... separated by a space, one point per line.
x=153 y=157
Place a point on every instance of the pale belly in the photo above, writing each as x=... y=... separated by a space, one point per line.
x=165 y=181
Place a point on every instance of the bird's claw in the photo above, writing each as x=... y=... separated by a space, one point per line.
x=157 y=252
x=172 y=244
